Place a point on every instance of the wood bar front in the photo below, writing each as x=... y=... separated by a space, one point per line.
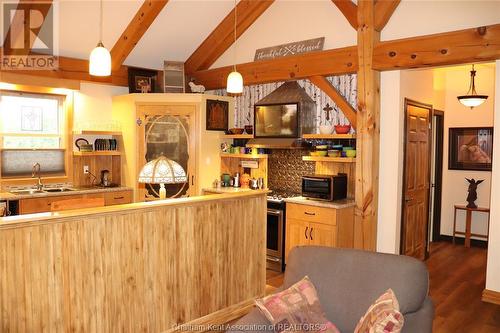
x=142 y=267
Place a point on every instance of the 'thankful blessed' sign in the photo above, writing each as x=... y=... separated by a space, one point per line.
x=289 y=49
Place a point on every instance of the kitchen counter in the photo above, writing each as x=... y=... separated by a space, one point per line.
x=339 y=204
x=223 y=190
x=78 y=190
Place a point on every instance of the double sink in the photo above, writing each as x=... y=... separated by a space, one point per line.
x=46 y=190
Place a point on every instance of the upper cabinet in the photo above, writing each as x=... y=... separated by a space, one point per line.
x=172 y=125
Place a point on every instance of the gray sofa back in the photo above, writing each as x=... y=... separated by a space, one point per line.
x=349 y=281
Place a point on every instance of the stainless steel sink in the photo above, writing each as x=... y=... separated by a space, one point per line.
x=61 y=189
x=24 y=192
x=47 y=190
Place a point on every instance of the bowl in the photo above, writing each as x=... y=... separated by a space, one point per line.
x=249 y=129
x=236 y=130
x=350 y=153
x=348 y=148
x=321 y=147
x=321 y=152
x=326 y=129
x=313 y=153
x=342 y=129
x=337 y=147
x=334 y=153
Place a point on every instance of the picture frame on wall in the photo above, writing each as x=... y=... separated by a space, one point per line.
x=470 y=148
x=217 y=115
x=142 y=80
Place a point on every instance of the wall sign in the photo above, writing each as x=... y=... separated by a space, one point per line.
x=285 y=50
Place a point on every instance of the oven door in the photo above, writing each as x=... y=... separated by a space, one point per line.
x=274 y=239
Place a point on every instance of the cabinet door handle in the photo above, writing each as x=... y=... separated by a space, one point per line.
x=305 y=232
x=117 y=198
x=307 y=213
x=192 y=180
x=311 y=234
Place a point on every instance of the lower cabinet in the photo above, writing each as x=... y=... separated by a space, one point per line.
x=311 y=225
x=40 y=205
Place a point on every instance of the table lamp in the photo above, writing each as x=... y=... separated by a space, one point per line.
x=162 y=171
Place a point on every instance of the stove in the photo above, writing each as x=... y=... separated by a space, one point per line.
x=280 y=196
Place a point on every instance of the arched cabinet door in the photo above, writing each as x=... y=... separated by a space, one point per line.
x=168 y=131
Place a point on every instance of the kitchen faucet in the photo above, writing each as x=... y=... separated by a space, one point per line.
x=36 y=169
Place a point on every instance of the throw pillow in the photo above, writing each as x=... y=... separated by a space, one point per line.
x=296 y=309
x=383 y=316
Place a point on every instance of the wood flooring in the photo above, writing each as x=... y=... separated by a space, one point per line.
x=457 y=279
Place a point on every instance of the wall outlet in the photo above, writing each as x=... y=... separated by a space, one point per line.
x=86 y=169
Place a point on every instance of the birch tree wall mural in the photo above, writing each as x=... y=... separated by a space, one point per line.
x=345 y=84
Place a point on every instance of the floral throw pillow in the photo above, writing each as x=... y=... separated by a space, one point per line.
x=296 y=309
x=383 y=316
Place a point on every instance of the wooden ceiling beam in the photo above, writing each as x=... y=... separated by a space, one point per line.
x=137 y=27
x=383 y=12
x=322 y=83
x=349 y=9
x=449 y=48
x=221 y=39
x=331 y=62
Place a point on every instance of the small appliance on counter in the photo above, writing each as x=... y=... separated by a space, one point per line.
x=325 y=187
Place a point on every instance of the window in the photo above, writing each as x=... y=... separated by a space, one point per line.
x=32 y=130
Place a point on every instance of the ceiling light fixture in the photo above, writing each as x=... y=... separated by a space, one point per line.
x=234 y=79
x=100 y=58
x=472 y=99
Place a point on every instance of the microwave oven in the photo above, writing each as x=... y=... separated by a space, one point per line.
x=325 y=187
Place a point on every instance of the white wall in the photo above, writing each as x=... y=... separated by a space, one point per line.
x=493 y=265
x=456 y=115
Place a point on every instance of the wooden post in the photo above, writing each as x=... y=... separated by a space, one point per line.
x=368 y=131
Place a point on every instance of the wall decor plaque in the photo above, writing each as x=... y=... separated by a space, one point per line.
x=294 y=48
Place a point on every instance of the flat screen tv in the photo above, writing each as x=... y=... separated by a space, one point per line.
x=276 y=121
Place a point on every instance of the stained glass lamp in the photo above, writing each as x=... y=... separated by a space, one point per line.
x=162 y=171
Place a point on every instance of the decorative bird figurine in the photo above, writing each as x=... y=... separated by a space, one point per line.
x=196 y=88
x=472 y=196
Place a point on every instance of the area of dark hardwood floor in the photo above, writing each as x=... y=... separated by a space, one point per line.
x=457 y=279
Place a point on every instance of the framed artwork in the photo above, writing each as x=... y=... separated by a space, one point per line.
x=470 y=148
x=217 y=115
x=141 y=80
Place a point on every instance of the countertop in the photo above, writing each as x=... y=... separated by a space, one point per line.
x=339 y=204
x=222 y=190
x=78 y=190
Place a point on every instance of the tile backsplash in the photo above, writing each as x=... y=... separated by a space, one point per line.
x=286 y=168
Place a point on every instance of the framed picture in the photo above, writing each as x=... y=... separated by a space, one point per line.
x=142 y=80
x=217 y=115
x=470 y=148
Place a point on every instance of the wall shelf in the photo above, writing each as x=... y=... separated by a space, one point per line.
x=91 y=132
x=329 y=136
x=249 y=156
x=238 y=136
x=97 y=153
x=329 y=159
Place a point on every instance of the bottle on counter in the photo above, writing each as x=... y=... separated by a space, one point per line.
x=236 y=180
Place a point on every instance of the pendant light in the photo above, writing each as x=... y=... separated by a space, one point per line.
x=472 y=99
x=100 y=58
x=234 y=79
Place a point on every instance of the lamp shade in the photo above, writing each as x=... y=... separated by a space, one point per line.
x=234 y=83
x=472 y=100
x=162 y=171
x=100 y=61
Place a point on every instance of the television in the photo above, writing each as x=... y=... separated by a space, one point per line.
x=276 y=121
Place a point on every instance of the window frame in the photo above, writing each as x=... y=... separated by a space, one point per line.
x=67 y=99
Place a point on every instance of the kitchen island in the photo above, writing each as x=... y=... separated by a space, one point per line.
x=141 y=267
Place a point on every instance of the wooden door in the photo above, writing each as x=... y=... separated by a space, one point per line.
x=322 y=234
x=416 y=179
x=297 y=234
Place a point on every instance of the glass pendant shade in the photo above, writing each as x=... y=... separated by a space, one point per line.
x=162 y=171
x=472 y=99
x=234 y=83
x=100 y=61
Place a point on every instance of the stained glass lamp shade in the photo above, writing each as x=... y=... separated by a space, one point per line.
x=162 y=171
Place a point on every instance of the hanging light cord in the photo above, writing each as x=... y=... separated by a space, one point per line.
x=100 y=23
x=235 y=20
x=472 y=87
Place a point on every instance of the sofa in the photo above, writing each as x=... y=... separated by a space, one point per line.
x=349 y=281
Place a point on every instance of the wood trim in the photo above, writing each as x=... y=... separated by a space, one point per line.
x=449 y=48
x=350 y=11
x=346 y=108
x=331 y=62
x=368 y=132
x=491 y=296
x=20 y=80
x=383 y=12
x=139 y=24
x=248 y=11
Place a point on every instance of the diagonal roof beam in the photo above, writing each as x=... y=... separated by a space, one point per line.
x=222 y=37
x=20 y=33
x=350 y=11
x=383 y=12
x=139 y=24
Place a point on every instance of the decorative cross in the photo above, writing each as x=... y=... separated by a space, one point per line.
x=327 y=109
